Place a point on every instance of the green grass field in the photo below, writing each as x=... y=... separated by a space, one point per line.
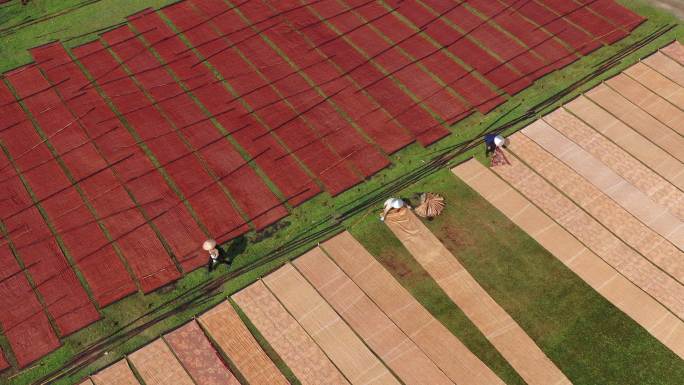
x=591 y=341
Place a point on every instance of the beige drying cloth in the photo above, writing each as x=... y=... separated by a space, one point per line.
x=647 y=100
x=117 y=374
x=630 y=263
x=619 y=215
x=232 y=336
x=667 y=68
x=675 y=51
x=431 y=205
x=628 y=140
x=617 y=289
x=299 y=351
x=443 y=348
x=639 y=120
x=157 y=365
x=344 y=348
x=399 y=353
x=492 y=320
x=645 y=166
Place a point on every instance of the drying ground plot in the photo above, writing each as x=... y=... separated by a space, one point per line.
x=208 y=119
x=278 y=128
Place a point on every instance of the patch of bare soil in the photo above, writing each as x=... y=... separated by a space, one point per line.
x=396 y=266
x=458 y=238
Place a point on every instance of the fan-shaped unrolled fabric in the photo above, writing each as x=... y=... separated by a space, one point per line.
x=430 y=206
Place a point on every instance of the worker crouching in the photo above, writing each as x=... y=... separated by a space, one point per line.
x=392 y=204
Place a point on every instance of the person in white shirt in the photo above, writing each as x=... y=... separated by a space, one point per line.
x=392 y=204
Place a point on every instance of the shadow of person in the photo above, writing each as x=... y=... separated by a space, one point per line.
x=237 y=246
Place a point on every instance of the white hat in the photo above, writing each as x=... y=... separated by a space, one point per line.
x=209 y=244
x=499 y=141
x=395 y=203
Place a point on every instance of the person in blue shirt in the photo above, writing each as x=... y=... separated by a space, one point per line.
x=492 y=142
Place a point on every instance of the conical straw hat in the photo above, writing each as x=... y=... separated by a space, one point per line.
x=209 y=244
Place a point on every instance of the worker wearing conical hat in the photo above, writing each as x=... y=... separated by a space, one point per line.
x=214 y=254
